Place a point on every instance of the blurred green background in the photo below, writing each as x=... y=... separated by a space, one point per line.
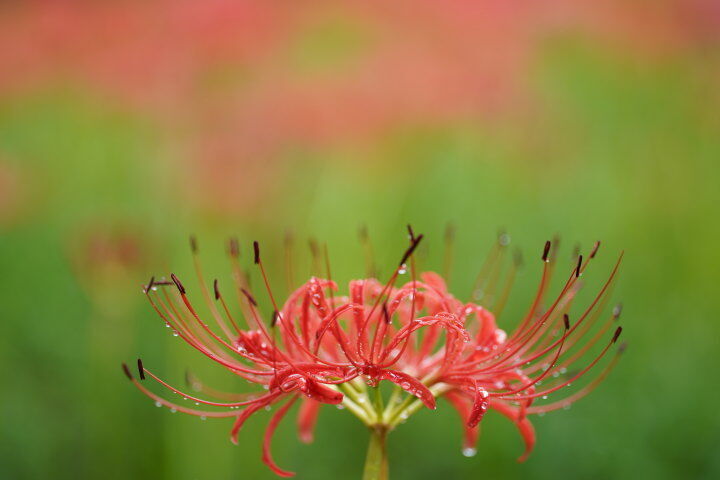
x=127 y=126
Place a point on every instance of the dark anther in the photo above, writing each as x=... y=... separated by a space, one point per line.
x=314 y=249
x=177 y=283
x=150 y=284
x=577 y=270
x=234 y=247
x=193 y=244
x=412 y=248
x=363 y=232
x=256 y=249
x=127 y=371
x=595 y=249
x=141 y=370
x=386 y=314
x=566 y=319
x=249 y=297
x=217 y=290
x=617 y=334
x=275 y=318
x=410 y=232
x=546 y=251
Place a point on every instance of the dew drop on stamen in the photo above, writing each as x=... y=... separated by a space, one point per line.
x=203 y=417
x=158 y=404
x=173 y=410
x=340 y=406
x=268 y=408
x=469 y=452
x=544 y=397
x=402 y=270
x=175 y=333
x=541 y=414
x=197 y=403
x=566 y=406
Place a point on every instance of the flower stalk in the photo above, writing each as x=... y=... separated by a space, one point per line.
x=376 y=462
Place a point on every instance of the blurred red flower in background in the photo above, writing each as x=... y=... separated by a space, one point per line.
x=243 y=82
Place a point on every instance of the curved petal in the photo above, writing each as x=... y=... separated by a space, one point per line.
x=266 y=454
x=307 y=417
x=244 y=415
x=523 y=424
x=410 y=384
x=479 y=408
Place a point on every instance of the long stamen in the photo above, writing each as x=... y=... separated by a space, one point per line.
x=205 y=292
x=388 y=285
x=584 y=391
x=578 y=375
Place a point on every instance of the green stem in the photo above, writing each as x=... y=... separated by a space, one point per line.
x=376 y=462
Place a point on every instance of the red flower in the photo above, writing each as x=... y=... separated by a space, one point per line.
x=324 y=348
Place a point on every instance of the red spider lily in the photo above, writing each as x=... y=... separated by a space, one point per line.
x=325 y=348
